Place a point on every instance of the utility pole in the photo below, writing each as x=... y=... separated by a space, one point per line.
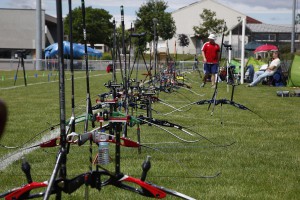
x=238 y=42
x=38 y=36
x=293 y=28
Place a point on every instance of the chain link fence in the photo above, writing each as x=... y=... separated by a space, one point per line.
x=52 y=64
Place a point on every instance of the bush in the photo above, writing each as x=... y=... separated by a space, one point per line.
x=106 y=56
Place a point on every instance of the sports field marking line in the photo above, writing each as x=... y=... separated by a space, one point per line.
x=11 y=157
x=14 y=87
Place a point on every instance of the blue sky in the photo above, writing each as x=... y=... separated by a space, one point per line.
x=270 y=12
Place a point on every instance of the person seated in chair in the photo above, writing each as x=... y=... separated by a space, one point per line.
x=270 y=70
x=250 y=72
x=251 y=68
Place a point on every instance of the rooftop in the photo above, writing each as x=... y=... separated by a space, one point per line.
x=269 y=28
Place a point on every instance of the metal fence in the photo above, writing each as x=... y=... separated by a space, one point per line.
x=52 y=64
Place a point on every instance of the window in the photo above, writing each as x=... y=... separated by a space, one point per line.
x=284 y=36
x=265 y=37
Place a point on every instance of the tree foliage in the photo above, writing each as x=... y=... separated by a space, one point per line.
x=210 y=24
x=183 y=40
x=155 y=9
x=98 y=25
x=119 y=41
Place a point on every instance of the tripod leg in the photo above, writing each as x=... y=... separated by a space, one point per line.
x=120 y=61
x=133 y=64
x=16 y=75
x=148 y=71
x=137 y=66
x=24 y=74
x=232 y=92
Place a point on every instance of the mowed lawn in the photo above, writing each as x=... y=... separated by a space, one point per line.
x=256 y=151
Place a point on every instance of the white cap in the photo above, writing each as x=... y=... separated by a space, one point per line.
x=212 y=37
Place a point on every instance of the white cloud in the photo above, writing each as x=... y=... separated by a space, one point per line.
x=244 y=8
x=274 y=4
x=28 y=4
x=258 y=9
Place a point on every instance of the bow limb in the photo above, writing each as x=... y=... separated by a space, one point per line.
x=81 y=139
x=186 y=98
x=172 y=192
x=212 y=142
x=192 y=91
x=130 y=143
x=181 y=164
x=229 y=102
x=31 y=139
x=17 y=193
x=237 y=105
x=223 y=101
x=187 y=132
x=210 y=101
x=187 y=141
x=167 y=124
x=50 y=143
x=232 y=103
x=240 y=106
x=169 y=105
x=77 y=120
x=201 y=102
x=147 y=189
x=179 y=109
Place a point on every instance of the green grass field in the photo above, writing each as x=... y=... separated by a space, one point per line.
x=263 y=162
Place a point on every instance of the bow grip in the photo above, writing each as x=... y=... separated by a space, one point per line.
x=26 y=169
x=83 y=138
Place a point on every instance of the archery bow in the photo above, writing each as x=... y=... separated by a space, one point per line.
x=220 y=57
x=93 y=179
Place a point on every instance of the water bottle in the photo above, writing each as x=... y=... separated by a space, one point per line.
x=103 y=152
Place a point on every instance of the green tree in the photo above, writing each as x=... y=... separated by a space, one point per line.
x=183 y=41
x=119 y=37
x=119 y=42
x=98 y=26
x=165 y=24
x=210 y=24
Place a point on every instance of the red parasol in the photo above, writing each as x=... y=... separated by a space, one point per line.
x=265 y=48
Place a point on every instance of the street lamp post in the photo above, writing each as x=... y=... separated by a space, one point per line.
x=38 y=43
x=293 y=28
x=238 y=47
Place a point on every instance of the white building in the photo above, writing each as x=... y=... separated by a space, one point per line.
x=189 y=16
x=18 y=31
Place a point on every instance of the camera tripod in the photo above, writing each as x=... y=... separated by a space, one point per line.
x=230 y=78
x=137 y=56
x=21 y=62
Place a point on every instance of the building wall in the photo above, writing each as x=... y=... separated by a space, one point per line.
x=18 y=28
x=50 y=30
x=188 y=17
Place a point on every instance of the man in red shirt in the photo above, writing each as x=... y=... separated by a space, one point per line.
x=210 y=53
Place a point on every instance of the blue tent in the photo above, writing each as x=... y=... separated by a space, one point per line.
x=251 y=46
x=78 y=50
